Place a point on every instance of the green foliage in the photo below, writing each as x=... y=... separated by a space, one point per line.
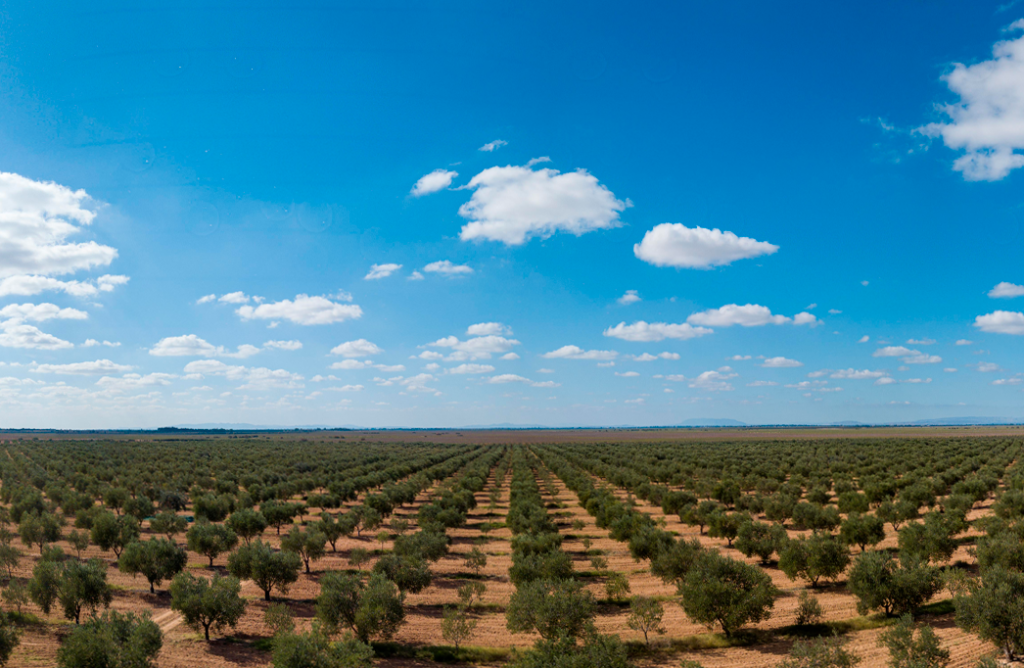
x=456 y=625
x=906 y=651
x=113 y=640
x=309 y=544
x=75 y=585
x=552 y=608
x=114 y=533
x=729 y=593
x=862 y=530
x=372 y=610
x=645 y=615
x=207 y=604
x=40 y=529
x=139 y=507
x=211 y=540
x=169 y=524
x=247 y=524
x=820 y=556
x=673 y=564
x=994 y=610
x=315 y=650
x=10 y=637
x=279 y=618
x=410 y=574
x=761 y=540
x=475 y=559
x=268 y=568
x=616 y=586
x=820 y=653
x=931 y=540
x=880 y=583
x=808 y=610
x=80 y=541
x=598 y=651
x=157 y=560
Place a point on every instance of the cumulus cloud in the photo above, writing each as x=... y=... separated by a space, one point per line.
x=352 y=365
x=1001 y=322
x=1008 y=381
x=780 y=363
x=191 y=345
x=987 y=367
x=577 y=353
x=748 y=315
x=17 y=334
x=235 y=298
x=627 y=374
x=206 y=299
x=89 y=343
x=95 y=367
x=675 y=245
x=514 y=204
x=471 y=369
x=488 y=329
x=439 y=179
x=864 y=339
x=26 y=285
x=856 y=374
x=885 y=380
x=513 y=378
x=252 y=378
x=907 y=355
x=481 y=347
x=40 y=312
x=647 y=357
x=964 y=342
x=448 y=268
x=345 y=388
x=357 y=348
x=645 y=332
x=1006 y=290
x=631 y=297
x=36 y=220
x=305 y=310
x=379 y=271
x=134 y=381
x=920 y=342
x=711 y=381
x=283 y=345
x=762 y=383
x=987 y=122
x=415 y=276
x=493 y=145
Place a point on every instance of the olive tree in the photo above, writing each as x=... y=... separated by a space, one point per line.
x=268 y=568
x=207 y=604
x=720 y=590
x=994 y=609
x=881 y=583
x=552 y=608
x=157 y=560
x=211 y=540
x=309 y=544
x=114 y=639
x=247 y=523
x=114 y=533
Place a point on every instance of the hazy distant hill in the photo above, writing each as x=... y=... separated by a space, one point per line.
x=712 y=422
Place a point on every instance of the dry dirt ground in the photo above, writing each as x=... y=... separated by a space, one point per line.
x=185 y=648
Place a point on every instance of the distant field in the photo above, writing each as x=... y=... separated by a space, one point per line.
x=598 y=499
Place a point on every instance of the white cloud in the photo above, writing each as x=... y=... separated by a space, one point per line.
x=780 y=363
x=916 y=381
x=89 y=343
x=378 y=271
x=1001 y=322
x=987 y=367
x=488 y=329
x=964 y=342
x=885 y=380
x=647 y=357
x=191 y=345
x=920 y=342
x=1006 y=290
x=627 y=374
x=283 y=345
x=545 y=370
x=429 y=355
x=675 y=245
x=16 y=334
x=439 y=179
x=987 y=122
x=471 y=369
x=641 y=331
x=447 y=268
x=576 y=353
x=493 y=145
x=481 y=347
x=805 y=319
x=819 y=373
x=513 y=204
x=864 y=339
x=631 y=297
x=834 y=311
x=25 y=285
x=235 y=298
x=638 y=400
x=351 y=365
x=749 y=315
x=206 y=299
x=345 y=388
x=40 y=312
x=134 y=381
x=305 y=310
x=1008 y=381
x=739 y=358
x=510 y=356
x=712 y=381
x=855 y=374
x=82 y=368
x=415 y=276
x=36 y=219
x=865 y=283
x=252 y=378
x=950 y=370
x=762 y=383
x=357 y=348
x=513 y=378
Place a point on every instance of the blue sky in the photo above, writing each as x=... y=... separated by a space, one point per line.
x=803 y=213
